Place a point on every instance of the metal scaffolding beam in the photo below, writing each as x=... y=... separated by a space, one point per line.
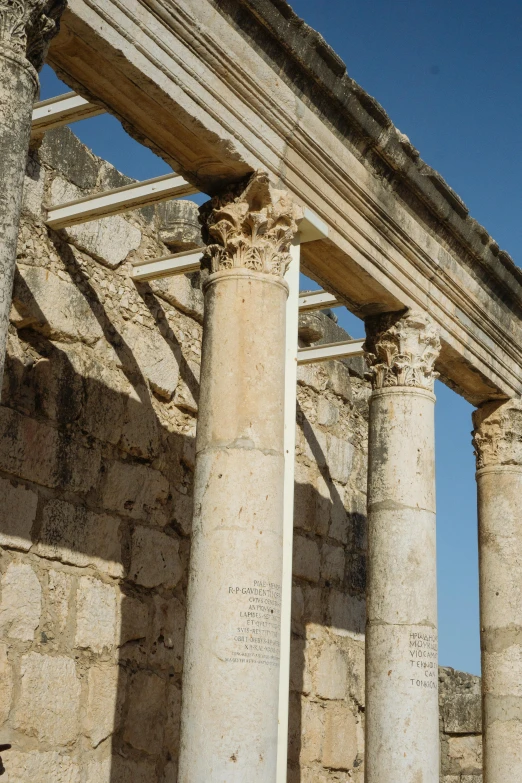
x=56 y=112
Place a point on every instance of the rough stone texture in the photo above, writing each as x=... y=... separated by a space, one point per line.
x=96 y=496
x=460 y=727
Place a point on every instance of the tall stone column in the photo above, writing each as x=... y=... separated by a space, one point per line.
x=26 y=28
x=498 y=447
x=402 y=725
x=231 y=664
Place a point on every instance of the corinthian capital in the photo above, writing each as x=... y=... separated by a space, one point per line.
x=401 y=350
x=251 y=226
x=27 y=27
x=497 y=437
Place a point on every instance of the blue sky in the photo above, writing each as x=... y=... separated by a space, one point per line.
x=450 y=77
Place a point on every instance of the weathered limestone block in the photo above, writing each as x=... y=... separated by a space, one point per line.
x=154 y=558
x=18 y=513
x=97 y=615
x=54 y=307
x=340 y=738
x=49 y=703
x=183 y=292
x=172 y=729
x=135 y=490
x=68 y=463
x=63 y=152
x=6 y=684
x=157 y=358
x=21 y=602
x=306 y=562
x=45 y=767
x=125 y=770
x=34 y=184
x=80 y=537
x=312 y=500
x=145 y=722
x=347 y=614
x=168 y=634
x=313 y=717
x=109 y=240
x=59 y=594
x=331 y=672
x=179 y=225
x=460 y=702
x=187 y=392
x=333 y=562
x=465 y=754
x=105 y=699
x=134 y=620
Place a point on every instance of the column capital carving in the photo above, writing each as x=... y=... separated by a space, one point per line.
x=250 y=226
x=401 y=350
x=497 y=434
x=27 y=27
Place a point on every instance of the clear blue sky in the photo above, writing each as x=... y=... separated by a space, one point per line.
x=450 y=76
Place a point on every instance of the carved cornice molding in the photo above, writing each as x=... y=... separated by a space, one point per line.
x=497 y=434
x=250 y=226
x=27 y=27
x=401 y=350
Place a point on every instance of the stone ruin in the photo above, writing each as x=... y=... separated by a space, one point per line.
x=145 y=610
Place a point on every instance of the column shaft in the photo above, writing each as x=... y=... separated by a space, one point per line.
x=231 y=663
x=402 y=724
x=498 y=443
x=26 y=27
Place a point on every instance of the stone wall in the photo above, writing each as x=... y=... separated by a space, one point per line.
x=460 y=727
x=97 y=428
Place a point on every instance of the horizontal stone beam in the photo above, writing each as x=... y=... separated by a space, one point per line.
x=114 y=202
x=56 y=112
x=221 y=94
x=323 y=353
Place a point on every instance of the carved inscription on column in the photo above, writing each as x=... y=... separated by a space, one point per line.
x=255 y=623
x=424 y=665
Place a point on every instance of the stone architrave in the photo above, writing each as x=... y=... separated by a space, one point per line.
x=402 y=726
x=26 y=29
x=498 y=448
x=229 y=718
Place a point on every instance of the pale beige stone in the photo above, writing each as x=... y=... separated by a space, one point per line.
x=135 y=490
x=100 y=771
x=157 y=358
x=333 y=562
x=347 y=614
x=306 y=560
x=55 y=307
x=105 y=699
x=6 y=684
x=312 y=731
x=59 y=587
x=97 y=615
x=49 y=702
x=340 y=737
x=327 y=412
x=21 y=602
x=18 y=512
x=339 y=455
x=145 y=723
x=168 y=633
x=467 y=752
x=154 y=559
x=187 y=391
x=45 y=767
x=77 y=536
x=331 y=673
x=182 y=292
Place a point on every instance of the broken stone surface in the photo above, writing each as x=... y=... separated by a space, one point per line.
x=18 y=506
x=134 y=490
x=53 y=306
x=21 y=602
x=105 y=699
x=179 y=225
x=49 y=702
x=157 y=358
x=154 y=558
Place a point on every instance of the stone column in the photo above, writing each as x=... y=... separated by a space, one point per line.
x=231 y=664
x=26 y=28
x=498 y=447
x=402 y=724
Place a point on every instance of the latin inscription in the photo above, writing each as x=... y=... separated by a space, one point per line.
x=257 y=621
x=424 y=666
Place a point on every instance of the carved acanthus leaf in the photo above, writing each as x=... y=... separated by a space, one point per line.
x=27 y=26
x=497 y=435
x=250 y=227
x=401 y=350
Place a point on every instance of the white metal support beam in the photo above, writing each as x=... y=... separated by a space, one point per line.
x=323 y=353
x=317 y=300
x=56 y=112
x=292 y=322
x=176 y=264
x=114 y=202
